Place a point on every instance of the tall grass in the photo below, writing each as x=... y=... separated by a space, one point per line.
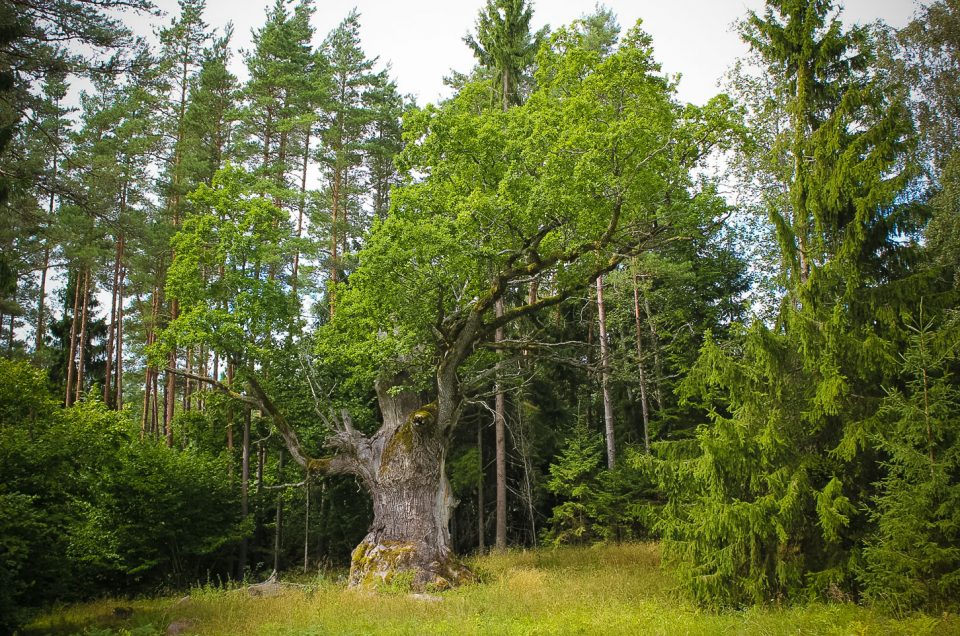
x=616 y=589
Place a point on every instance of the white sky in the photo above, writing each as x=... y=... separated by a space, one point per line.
x=423 y=39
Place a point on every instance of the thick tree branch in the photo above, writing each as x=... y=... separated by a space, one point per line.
x=220 y=386
x=337 y=464
x=549 y=301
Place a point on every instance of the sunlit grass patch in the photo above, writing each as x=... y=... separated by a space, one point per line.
x=614 y=589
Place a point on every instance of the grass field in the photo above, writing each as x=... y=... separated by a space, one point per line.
x=601 y=590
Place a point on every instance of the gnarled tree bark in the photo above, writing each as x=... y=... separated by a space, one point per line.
x=402 y=466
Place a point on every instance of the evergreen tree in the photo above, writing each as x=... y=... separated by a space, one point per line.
x=383 y=142
x=182 y=45
x=211 y=112
x=774 y=502
x=912 y=561
x=505 y=46
x=345 y=120
x=280 y=67
x=55 y=126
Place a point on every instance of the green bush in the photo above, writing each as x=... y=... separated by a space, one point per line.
x=87 y=508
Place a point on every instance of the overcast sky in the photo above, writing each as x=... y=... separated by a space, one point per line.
x=423 y=39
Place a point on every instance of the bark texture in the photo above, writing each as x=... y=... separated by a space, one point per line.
x=403 y=469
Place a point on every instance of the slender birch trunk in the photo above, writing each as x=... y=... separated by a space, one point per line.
x=605 y=376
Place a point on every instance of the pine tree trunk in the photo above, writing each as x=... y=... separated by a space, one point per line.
x=82 y=338
x=605 y=376
x=244 y=489
x=204 y=359
x=302 y=208
x=278 y=525
x=641 y=372
x=46 y=251
x=657 y=365
x=499 y=420
x=41 y=306
x=147 y=425
x=280 y=180
x=520 y=443
x=334 y=241
x=230 y=414
x=187 y=382
x=306 y=525
x=261 y=460
x=481 y=522
x=118 y=395
x=111 y=328
x=591 y=308
x=171 y=389
x=145 y=417
x=72 y=356
x=155 y=425
x=323 y=513
x=170 y=393
x=344 y=214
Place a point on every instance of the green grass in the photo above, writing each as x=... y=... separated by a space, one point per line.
x=601 y=590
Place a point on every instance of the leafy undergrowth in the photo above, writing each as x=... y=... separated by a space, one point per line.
x=617 y=589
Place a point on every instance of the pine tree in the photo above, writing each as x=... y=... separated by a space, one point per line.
x=211 y=112
x=345 y=120
x=383 y=142
x=55 y=127
x=183 y=43
x=280 y=67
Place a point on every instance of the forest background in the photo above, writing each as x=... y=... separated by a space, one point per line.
x=728 y=325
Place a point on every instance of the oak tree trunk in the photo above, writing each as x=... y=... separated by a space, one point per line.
x=402 y=467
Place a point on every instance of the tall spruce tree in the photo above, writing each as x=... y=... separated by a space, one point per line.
x=505 y=46
x=774 y=502
x=912 y=561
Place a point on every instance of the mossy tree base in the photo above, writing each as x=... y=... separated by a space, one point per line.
x=395 y=563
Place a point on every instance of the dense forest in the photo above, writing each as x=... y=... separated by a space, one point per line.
x=301 y=322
